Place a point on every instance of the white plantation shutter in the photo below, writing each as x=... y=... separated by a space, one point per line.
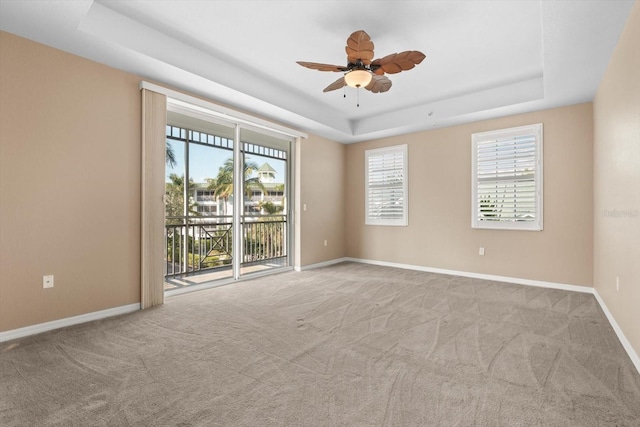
x=507 y=179
x=386 y=186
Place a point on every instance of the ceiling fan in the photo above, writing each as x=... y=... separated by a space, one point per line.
x=364 y=71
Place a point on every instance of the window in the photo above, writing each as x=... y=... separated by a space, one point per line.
x=507 y=179
x=206 y=209
x=204 y=196
x=386 y=186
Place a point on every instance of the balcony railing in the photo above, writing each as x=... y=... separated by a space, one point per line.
x=264 y=236
x=205 y=243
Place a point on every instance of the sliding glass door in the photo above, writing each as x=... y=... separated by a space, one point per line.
x=265 y=211
x=230 y=216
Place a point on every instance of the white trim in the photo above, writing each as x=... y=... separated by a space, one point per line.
x=623 y=339
x=380 y=152
x=516 y=280
x=322 y=264
x=490 y=136
x=216 y=110
x=68 y=321
x=528 y=282
x=237 y=228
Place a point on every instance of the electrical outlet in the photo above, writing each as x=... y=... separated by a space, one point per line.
x=481 y=251
x=304 y=207
x=617 y=283
x=325 y=242
x=47 y=282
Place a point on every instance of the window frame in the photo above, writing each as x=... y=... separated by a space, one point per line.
x=397 y=222
x=537 y=131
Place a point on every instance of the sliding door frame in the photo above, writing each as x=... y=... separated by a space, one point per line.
x=199 y=108
x=238 y=183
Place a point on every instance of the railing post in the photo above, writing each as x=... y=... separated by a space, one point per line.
x=285 y=237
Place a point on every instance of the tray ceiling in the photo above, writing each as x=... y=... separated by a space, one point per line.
x=483 y=58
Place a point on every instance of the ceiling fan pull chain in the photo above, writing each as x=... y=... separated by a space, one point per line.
x=358 y=96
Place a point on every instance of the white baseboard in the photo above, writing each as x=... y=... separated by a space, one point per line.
x=516 y=280
x=68 y=321
x=321 y=264
x=623 y=339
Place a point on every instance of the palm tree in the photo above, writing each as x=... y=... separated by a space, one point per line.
x=170 y=156
x=270 y=208
x=222 y=185
x=174 y=198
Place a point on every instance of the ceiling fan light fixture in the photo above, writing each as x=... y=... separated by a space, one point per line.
x=358 y=78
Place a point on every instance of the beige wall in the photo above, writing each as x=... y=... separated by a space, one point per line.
x=617 y=182
x=439 y=234
x=322 y=191
x=69 y=184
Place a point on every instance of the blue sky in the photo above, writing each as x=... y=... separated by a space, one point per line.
x=205 y=162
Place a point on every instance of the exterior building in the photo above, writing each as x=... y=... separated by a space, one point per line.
x=265 y=198
x=266 y=174
x=206 y=202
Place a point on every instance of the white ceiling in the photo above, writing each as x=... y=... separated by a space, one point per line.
x=483 y=58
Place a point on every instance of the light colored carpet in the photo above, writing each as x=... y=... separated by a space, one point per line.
x=352 y=345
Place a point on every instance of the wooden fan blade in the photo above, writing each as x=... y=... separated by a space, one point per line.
x=335 y=85
x=396 y=62
x=359 y=46
x=322 y=67
x=379 y=84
